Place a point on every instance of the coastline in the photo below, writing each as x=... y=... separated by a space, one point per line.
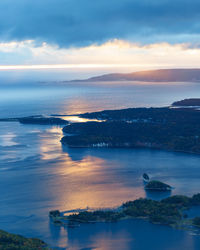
x=171 y=211
x=15 y=241
x=168 y=129
x=128 y=119
x=135 y=147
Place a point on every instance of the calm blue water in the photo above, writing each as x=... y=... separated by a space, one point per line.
x=38 y=175
x=30 y=98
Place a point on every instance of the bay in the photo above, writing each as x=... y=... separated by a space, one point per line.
x=37 y=174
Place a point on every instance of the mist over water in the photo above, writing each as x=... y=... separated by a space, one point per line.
x=37 y=174
x=22 y=95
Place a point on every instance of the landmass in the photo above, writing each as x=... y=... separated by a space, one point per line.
x=157 y=186
x=191 y=102
x=167 y=128
x=170 y=211
x=43 y=120
x=175 y=129
x=18 y=242
x=161 y=75
x=40 y=120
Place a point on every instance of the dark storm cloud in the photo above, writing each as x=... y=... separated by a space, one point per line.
x=83 y=22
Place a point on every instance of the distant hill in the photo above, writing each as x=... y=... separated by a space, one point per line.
x=161 y=75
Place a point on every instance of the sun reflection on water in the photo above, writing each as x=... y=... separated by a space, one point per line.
x=77 y=106
x=8 y=139
x=77 y=119
x=82 y=180
x=50 y=146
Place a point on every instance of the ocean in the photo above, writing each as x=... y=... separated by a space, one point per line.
x=37 y=174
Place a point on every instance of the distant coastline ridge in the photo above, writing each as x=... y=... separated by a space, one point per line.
x=159 y=75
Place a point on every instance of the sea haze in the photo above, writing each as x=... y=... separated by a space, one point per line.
x=38 y=174
x=24 y=98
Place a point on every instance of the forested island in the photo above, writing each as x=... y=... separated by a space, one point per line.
x=10 y=241
x=191 y=102
x=157 y=186
x=170 y=211
x=160 y=128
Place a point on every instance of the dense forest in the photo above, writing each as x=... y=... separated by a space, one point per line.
x=169 y=211
x=162 y=128
x=10 y=241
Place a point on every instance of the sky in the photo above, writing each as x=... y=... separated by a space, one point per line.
x=129 y=35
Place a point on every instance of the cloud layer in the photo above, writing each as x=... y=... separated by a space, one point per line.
x=113 y=54
x=80 y=23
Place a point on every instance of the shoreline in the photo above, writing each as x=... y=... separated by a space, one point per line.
x=55 y=121
x=168 y=129
x=171 y=211
x=16 y=241
x=135 y=147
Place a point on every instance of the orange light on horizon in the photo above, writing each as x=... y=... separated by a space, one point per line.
x=71 y=66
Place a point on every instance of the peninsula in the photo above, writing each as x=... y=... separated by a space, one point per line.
x=175 y=129
x=38 y=120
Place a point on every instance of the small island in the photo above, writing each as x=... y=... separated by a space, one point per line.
x=157 y=186
x=169 y=211
x=13 y=241
x=145 y=177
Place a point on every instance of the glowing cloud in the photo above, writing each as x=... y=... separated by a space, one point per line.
x=113 y=54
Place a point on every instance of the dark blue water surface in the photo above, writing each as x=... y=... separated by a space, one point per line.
x=37 y=174
x=32 y=98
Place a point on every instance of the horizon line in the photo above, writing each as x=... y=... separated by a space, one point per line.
x=81 y=66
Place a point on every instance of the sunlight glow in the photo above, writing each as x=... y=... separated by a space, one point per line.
x=114 y=54
x=68 y=66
